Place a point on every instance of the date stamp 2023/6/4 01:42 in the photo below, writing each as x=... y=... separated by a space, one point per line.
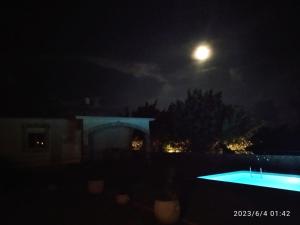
x=262 y=213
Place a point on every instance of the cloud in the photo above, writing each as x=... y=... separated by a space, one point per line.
x=71 y=80
x=240 y=84
x=137 y=69
x=150 y=77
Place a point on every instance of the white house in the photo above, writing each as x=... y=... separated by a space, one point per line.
x=57 y=141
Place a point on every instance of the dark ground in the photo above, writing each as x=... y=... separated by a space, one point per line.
x=72 y=206
x=25 y=197
x=70 y=209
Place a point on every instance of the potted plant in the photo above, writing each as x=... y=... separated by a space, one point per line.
x=95 y=172
x=166 y=204
x=122 y=196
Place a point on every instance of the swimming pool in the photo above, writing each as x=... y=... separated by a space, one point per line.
x=289 y=182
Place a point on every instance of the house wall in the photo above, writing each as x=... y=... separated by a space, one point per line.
x=63 y=144
x=95 y=125
x=118 y=138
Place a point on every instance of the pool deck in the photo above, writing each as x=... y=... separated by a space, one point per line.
x=73 y=208
x=203 y=201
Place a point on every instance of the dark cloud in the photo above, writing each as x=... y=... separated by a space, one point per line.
x=127 y=53
x=69 y=80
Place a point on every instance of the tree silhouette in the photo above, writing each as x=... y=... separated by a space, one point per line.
x=201 y=118
x=149 y=110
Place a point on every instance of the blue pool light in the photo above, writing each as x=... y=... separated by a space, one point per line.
x=289 y=182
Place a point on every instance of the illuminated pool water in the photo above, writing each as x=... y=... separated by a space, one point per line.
x=271 y=180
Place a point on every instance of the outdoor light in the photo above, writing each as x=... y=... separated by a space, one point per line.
x=137 y=144
x=268 y=180
x=176 y=147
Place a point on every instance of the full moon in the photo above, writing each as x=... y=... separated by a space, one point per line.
x=202 y=53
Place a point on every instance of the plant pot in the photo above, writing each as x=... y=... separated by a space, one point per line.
x=122 y=199
x=167 y=211
x=95 y=186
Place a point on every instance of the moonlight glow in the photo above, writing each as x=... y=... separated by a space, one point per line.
x=202 y=53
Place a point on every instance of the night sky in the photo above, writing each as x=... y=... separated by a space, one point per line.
x=126 y=54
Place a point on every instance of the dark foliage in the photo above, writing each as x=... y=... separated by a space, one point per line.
x=149 y=110
x=199 y=118
x=276 y=140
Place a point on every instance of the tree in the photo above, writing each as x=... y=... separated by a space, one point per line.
x=149 y=110
x=239 y=122
x=199 y=118
x=279 y=139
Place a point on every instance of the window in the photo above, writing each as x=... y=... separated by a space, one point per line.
x=37 y=140
x=36 y=137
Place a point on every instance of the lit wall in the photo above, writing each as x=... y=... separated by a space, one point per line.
x=62 y=141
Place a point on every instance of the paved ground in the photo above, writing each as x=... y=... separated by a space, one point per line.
x=71 y=208
x=25 y=200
